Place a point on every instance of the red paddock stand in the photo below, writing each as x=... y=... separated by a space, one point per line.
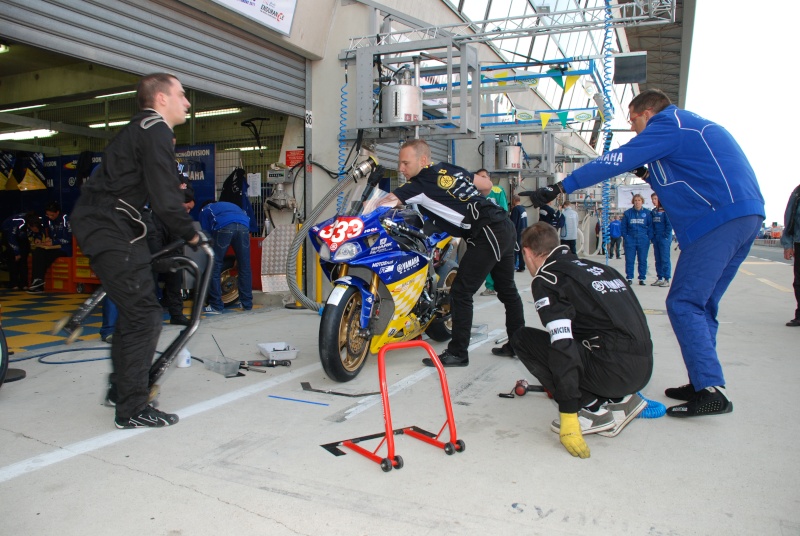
x=391 y=459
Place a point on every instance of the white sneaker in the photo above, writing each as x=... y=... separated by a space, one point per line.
x=664 y=283
x=624 y=412
x=656 y=283
x=592 y=422
x=489 y=292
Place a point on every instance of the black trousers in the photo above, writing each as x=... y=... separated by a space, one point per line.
x=127 y=277
x=796 y=283
x=605 y=374
x=614 y=246
x=41 y=259
x=17 y=269
x=495 y=240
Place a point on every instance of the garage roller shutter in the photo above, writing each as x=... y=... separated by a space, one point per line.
x=387 y=152
x=142 y=37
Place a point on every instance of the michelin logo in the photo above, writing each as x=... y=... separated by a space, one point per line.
x=408 y=265
x=538 y=304
x=559 y=329
x=615 y=285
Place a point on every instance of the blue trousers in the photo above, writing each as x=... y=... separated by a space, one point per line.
x=663 y=262
x=236 y=236
x=636 y=247
x=704 y=270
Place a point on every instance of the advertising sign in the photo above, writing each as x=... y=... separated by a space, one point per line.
x=274 y=14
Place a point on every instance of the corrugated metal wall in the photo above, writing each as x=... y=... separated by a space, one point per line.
x=142 y=37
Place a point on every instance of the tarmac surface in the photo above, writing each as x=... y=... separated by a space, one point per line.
x=248 y=456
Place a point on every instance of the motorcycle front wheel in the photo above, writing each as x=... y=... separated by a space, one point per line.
x=342 y=350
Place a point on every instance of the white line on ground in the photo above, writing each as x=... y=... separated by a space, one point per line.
x=95 y=443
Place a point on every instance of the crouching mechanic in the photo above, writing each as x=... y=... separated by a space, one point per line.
x=596 y=352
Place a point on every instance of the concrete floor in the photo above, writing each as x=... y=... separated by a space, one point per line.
x=246 y=457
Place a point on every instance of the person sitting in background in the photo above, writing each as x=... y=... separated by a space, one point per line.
x=19 y=231
x=57 y=243
x=596 y=352
x=229 y=226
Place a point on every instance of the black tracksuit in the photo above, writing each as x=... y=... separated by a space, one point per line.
x=597 y=343
x=138 y=168
x=446 y=195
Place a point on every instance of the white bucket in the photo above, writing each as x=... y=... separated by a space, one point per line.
x=184 y=359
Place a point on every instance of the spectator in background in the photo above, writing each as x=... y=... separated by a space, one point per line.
x=569 y=232
x=550 y=215
x=519 y=217
x=790 y=240
x=228 y=224
x=615 y=235
x=497 y=196
x=19 y=231
x=662 y=241
x=57 y=243
x=637 y=231
x=598 y=236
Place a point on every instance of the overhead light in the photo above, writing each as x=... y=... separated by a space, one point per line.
x=115 y=94
x=111 y=124
x=28 y=134
x=246 y=149
x=211 y=113
x=3 y=48
x=23 y=108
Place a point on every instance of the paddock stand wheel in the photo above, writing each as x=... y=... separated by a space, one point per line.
x=73 y=333
x=155 y=390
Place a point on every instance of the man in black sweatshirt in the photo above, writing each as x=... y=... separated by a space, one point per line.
x=596 y=352
x=138 y=168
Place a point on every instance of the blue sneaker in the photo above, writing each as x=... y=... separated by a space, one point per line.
x=211 y=311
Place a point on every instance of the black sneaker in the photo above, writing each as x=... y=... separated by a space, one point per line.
x=505 y=351
x=641 y=282
x=111 y=395
x=149 y=417
x=180 y=320
x=448 y=360
x=684 y=392
x=630 y=281
x=708 y=401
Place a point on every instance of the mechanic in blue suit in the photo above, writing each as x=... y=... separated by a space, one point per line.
x=710 y=191
x=662 y=241
x=636 y=235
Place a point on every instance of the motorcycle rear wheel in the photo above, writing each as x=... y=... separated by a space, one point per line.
x=441 y=329
x=342 y=350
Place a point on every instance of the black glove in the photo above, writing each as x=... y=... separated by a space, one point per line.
x=542 y=196
x=376 y=176
x=641 y=172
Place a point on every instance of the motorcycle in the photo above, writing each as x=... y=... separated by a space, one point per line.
x=391 y=282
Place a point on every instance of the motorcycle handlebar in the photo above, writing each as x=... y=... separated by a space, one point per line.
x=405 y=230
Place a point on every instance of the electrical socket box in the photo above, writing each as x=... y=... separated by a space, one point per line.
x=277 y=176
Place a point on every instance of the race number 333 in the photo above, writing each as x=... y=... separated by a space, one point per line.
x=341 y=230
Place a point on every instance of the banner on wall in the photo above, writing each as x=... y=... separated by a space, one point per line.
x=274 y=14
x=625 y=196
x=198 y=165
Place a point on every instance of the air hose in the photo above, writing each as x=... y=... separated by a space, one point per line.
x=360 y=171
x=654 y=409
x=607 y=111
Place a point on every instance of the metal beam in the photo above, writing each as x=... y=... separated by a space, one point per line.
x=30 y=148
x=30 y=122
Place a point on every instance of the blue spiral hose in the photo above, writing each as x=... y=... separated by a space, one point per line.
x=654 y=409
x=342 y=143
x=608 y=109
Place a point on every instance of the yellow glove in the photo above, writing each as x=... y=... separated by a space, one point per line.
x=571 y=436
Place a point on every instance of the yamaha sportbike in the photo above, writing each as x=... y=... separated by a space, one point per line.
x=391 y=282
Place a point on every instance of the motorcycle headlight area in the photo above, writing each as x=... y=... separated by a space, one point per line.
x=346 y=252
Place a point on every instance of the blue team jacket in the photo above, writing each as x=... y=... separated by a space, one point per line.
x=699 y=172
x=637 y=225
x=215 y=216
x=661 y=227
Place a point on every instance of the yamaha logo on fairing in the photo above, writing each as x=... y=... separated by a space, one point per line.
x=407 y=265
